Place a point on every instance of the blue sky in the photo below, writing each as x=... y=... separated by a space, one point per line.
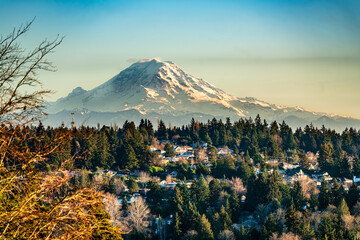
x=246 y=47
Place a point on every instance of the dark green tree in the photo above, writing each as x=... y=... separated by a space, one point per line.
x=200 y=194
x=169 y=151
x=214 y=191
x=327 y=229
x=326 y=159
x=132 y=185
x=337 y=193
x=353 y=196
x=298 y=196
x=292 y=219
x=273 y=186
x=324 y=195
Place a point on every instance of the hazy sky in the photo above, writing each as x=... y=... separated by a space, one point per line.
x=289 y=52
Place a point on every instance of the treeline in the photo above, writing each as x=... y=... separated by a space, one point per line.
x=129 y=147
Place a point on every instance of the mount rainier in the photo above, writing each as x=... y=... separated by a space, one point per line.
x=155 y=89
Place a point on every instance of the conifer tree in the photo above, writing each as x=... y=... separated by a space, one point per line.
x=132 y=185
x=356 y=166
x=324 y=195
x=177 y=229
x=204 y=229
x=326 y=229
x=343 y=208
x=224 y=219
x=191 y=217
x=244 y=171
x=273 y=187
x=344 y=168
x=169 y=151
x=252 y=193
x=303 y=160
x=298 y=196
x=201 y=194
x=271 y=225
x=235 y=207
x=326 y=157
x=337 y=193
x=214 y=191
x=162 y=132
x=353 y=196
x=292 y=219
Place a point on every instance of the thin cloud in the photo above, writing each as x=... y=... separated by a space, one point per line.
x=131 y=60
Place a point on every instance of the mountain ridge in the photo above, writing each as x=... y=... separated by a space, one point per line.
x=163 y=90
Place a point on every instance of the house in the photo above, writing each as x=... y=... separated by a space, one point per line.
x=173 y=174
x=182 y=149
x=160 y=152
x=165 y=141
x=287 y=179
x=188 y=183
x=224 y=151
x=187 y=155
x=313 y=167
x=327 y=177
x=346 y=183
x=205 y=159
x=356 y=179
x=168 y=185
x=287 y=166
x=272 y=161
x=298 y=176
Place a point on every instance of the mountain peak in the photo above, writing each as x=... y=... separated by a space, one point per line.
x=161 y=88
x=149 y=66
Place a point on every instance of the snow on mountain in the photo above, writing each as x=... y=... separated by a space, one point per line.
x=161 y=89
x=151 y=86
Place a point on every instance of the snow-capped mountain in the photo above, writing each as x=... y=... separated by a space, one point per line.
x=156 y=89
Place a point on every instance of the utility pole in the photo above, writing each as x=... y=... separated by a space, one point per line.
x=72 y=121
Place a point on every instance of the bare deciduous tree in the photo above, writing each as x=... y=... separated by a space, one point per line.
x=155 y=179
x=190 y=235
x=18 y=74
x=200 y=154
x=138 y=214
x=35 y=204
x=144 y=177
x=285 y=236
x=168 y=179
x=237 y=186
x=118 y=185
x=308 y=186
x=226 y=235
x=113 y=207
x=98 y=180
x=209 y=178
